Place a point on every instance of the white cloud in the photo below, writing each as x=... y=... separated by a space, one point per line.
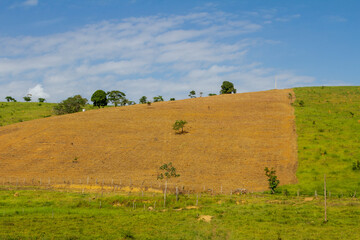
x=38 y=92
x=31 y=3
x=27 y=3
x=335 y=19
x=166 y=55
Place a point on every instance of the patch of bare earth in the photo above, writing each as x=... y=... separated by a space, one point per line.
x=230 y=140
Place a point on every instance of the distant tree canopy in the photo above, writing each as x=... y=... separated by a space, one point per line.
x=158 y=99
x=10 y=99
x=143 y=100
x=27 y=98
x=227 y=88
x=99 y=98
x=172 y=99
x=192 y=94
x=116 y=97
x=212 y=94
x=41 y=100
x=70 y=105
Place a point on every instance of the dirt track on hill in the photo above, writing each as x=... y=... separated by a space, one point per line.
x=230 y=140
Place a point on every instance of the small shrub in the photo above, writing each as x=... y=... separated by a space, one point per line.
x=172 y=99
x=301 y=103
x=356 y=165
x=272 y=179
x=179 y=124
x=169 y=171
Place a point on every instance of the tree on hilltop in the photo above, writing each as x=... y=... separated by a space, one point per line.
x=143 y=100
x=10 y=99
x=115 y=97
x=227 y=88
x=158 y=99
x=99 y=98
x=192 y=94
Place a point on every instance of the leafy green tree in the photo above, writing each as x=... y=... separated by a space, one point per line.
x=27 y=98
x=272 y=179
x=10 y=99
x=41 y=100
x=172 y=99
x=179 y=124
x=227 y=88
x=168 y=171
x=158 y=99
x=70 y=105
x=143 y=100
x=131 y=103
x=192 y=94
x=115 y=97
x=99 y=98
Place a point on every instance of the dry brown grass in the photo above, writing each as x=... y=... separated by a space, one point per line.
x=230 y=139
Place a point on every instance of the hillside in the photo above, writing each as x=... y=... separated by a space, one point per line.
x=328 y=128
x=13 y=112
x=229 y=141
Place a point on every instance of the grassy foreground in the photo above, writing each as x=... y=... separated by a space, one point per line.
x=46 y=214
x=328 y=129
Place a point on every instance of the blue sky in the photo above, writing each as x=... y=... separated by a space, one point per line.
x=56 y=49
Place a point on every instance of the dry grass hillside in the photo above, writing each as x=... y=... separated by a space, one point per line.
x=230 y=139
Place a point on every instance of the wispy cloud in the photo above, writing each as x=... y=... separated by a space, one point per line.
x=167 y=55
x=335 y=19
x=27 y=3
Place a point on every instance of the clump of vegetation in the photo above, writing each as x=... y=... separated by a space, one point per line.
x=227 y=88
x=168 y=171
x=356 y=165
x=272 y=179
x=158 y=99
x=301 y=103
x=212 y=94
x=192 y=94
x=172 y=99
x=70 y=105
x=179 y=124
x=27 y=98
x=41 y=100
x=10 y=99
x=143 y=100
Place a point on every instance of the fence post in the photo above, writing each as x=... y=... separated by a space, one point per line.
x=165 y=194
x=325 y=196
x=177 y=194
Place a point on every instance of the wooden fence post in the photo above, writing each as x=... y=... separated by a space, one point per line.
x=165 y=194
x=325 y=196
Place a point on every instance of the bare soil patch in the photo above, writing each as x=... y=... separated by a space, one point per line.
x=230 y=140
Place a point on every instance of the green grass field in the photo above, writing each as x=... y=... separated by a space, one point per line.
x=47 y=214
x=13 y=112
x=328 y=129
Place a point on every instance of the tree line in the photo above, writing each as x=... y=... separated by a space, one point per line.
x=100 y=98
